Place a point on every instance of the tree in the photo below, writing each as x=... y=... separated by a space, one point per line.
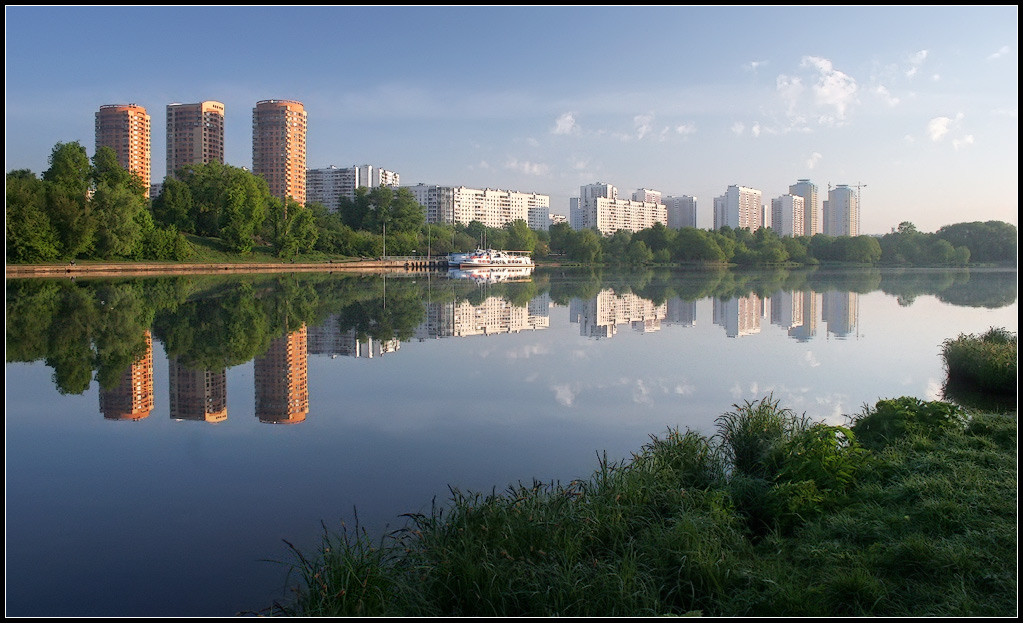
x=116 y=210
x=558 y=236
x=520 y=236
x=30 y=238
x=227 y=202
x=291 y=231
x=106 y=169
x=173 y=206
x=67 y=206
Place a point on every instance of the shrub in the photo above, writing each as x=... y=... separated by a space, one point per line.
x=986 y=361
x=894 y=419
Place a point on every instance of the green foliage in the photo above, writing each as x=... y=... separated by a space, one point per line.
x=29 y=236
x=893 y=419
x=987 y=361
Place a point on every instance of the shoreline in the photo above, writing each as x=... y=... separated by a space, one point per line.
x=144 y=268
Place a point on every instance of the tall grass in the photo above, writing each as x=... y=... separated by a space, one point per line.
x=909 y=511
x=987 y=362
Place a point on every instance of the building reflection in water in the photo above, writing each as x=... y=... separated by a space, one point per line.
x=739 y=316
x=839 y=312
x=680 y=313
x=132 y=399
x=796 y=312
x=197 y=395
x=600 y=316
x=282 y=380
x=329 y=339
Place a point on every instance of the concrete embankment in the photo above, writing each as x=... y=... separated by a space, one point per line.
x=411 y=264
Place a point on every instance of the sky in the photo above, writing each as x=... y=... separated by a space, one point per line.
x=914 y=106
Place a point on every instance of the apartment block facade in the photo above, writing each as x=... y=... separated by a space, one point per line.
x=598 y=207
x=492 y=207
x=329 y=185
x=279 y=147
x=841 y=212
x=811 y=212
x=681 y=211
x=125 y=128
x=787 y=214
x=195 y=134
x=740 y=207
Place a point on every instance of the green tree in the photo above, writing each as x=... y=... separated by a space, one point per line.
x=558 y=236
x=30 y=238
x=67 y=205
x=173 y=206
x=291 y=231
x=520 y=236
x=227 y=202
x=117 y=212
x=106 y=169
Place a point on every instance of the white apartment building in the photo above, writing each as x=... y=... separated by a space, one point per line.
x=739 y=208
x=330 y=184
x=808 y=191
x=787 y=214
x=841 y=212
x=645 y=194
x=681 y=211
x=598 y=207
x=492 y=207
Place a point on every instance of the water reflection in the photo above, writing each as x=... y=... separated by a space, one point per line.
x=103 y=329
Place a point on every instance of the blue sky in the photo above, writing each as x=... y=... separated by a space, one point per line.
x=916 y=104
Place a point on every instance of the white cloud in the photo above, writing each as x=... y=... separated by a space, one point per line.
x=1002 y=51
x=914 y=63
x=565 y=124
x=811 y=359
x=938 y=128
x=738 y=128
x=564 y=395
x=959 y=142
x=754 y=65
x=642 y=124
x=529 y=168
x=755 y=130
x=834 y=90
x=685 y=129
x=885 y=95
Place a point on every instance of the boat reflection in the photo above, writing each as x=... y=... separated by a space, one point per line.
x=496 y=274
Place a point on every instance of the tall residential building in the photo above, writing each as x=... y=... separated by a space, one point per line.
x=599 y=207
x=492 y=207
x=841 y=212
x=681 y=211
x=278 y=147
x=787 y=214
x=739 y=208
x=329 y=185
x=125 y=129
x=195 y=134
x=808 y=191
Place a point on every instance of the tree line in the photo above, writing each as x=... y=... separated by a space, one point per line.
x=82 y=209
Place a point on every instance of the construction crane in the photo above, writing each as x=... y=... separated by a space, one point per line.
x=859 y=206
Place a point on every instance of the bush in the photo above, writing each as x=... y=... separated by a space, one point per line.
x=986 y=361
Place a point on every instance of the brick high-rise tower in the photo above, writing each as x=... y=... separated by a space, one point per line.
x=125 y=129
x=278 y=147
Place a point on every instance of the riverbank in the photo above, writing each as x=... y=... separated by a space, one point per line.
x=132 y=269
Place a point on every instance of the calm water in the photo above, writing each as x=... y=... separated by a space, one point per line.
x=165 y=436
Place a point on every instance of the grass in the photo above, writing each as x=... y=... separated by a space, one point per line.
x=908 y=511
x=986 y=363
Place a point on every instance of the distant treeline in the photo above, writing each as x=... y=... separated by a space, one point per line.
x=82 y=209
